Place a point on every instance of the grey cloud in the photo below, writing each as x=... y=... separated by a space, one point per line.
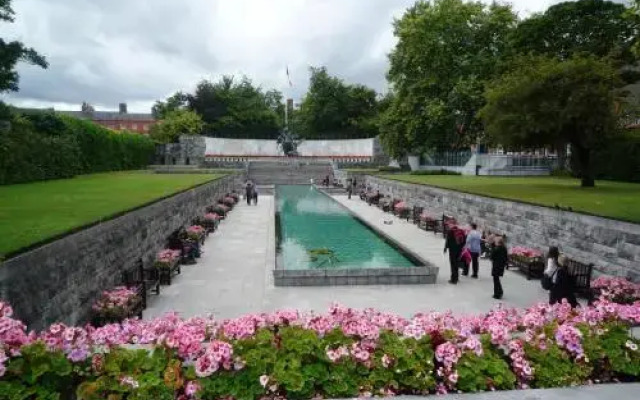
x=108 y=51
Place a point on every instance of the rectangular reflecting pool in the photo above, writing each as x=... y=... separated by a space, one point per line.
x=320 y=242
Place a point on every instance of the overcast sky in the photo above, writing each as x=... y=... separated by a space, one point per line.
x=137 y=51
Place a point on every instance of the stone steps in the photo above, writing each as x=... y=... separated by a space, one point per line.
x=288 y=172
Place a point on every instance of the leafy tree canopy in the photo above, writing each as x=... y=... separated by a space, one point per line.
x=334 y=109
x=446 y=52
x=545 y=100
x=176 y=123
x=13 y=52
x=230 y=108
x=178 y=101
x=596 y=27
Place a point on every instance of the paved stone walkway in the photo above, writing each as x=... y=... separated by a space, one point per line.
x=234 y=277
x=628 y=391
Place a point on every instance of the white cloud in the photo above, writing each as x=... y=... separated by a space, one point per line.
x=138 y=51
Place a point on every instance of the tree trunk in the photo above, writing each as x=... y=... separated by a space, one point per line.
x=586 y=171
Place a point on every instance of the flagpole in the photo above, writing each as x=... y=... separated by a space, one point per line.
x=286 y=102
x=286 y=115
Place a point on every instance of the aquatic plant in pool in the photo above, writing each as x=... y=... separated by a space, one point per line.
x=316 y=232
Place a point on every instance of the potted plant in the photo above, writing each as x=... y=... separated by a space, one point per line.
x=167 y=258
x=115 y=305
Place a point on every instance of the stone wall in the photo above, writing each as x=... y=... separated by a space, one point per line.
x=188 y=151
x=60 y=280
x=612 y=246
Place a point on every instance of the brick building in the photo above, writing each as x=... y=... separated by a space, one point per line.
x=116 y=120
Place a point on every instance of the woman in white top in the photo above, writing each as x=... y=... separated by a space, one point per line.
x=562 y=286
x=552 y=263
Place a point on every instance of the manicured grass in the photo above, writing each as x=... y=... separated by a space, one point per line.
x=32 y=212
x=608 y=199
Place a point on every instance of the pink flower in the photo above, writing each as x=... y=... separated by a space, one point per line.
x=386 y=361
x=129 y=381
x=192 y=388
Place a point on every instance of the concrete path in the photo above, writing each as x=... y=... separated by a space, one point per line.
x=620 y=391
x=234 y=276
x=231 y=276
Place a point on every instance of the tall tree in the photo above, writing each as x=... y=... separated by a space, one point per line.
x=593 y=27
x=176 y=123
x=447 y=50
x=597 y=27
x=178 y=101
x=240 y=109
x=544 y=100
x=333 y=108
x=13 y=52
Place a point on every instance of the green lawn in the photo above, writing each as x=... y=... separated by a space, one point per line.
x=608 y=199
x=32 y=212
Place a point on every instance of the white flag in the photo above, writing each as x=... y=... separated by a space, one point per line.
x=289 y=77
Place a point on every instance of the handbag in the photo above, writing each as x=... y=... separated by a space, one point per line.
x=547 y=281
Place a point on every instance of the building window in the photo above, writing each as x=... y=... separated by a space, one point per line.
x=134 y=126
x=123 y=126
x=145 y=127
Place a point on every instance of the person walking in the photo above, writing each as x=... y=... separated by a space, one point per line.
x=562 y=285
x=455 y=249
x=474 y=244
x=248 y=191
x=499 y=259
x=349 y=190
x=255 y=195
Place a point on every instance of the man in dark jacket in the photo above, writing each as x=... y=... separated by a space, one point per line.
x=454 y=245
x=499 y=258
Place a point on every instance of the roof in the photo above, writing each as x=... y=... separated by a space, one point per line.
x=109 y=116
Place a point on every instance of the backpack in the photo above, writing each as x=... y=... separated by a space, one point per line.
x=547 y=281
x=460 y=236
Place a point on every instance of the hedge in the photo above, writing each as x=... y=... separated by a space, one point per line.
x=341 y=354
x=44 y=145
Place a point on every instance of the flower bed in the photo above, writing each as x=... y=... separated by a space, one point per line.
x=528 y=260
x=343 y=353
x=229 y=201
x=402 y=209
x=117 y=304
x=525 y=253
x=195 y=233
x=618 y=290
x=221 y=210
x=167 y=258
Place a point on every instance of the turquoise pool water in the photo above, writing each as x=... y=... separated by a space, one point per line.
x=316 y=232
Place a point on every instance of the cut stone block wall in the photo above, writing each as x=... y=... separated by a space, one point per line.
x=60 y=281
x=612 y=246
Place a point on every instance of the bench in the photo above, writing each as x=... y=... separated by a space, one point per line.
x=133 y=280
x=373 y=198
x=531 y=267
x=176 y=241
x=581 y=274
x=143 y=281
x=386 y=204
x=416 y=213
